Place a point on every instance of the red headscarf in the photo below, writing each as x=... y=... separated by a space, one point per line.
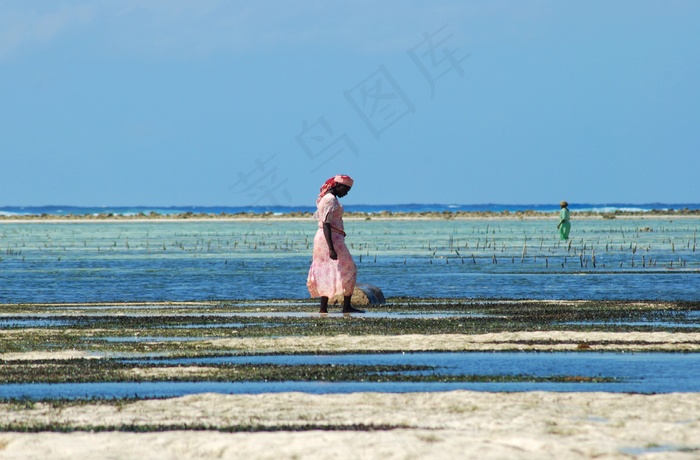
x=332 y=182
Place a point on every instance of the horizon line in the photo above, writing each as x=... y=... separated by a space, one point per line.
x=612 y=203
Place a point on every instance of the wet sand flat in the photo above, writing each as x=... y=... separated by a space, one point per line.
x=454 y=424
x=459 y=424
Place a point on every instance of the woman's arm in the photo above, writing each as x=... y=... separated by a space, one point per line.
x=563 y=218
x=329 y=240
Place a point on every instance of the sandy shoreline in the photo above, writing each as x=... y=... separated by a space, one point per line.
x=456 y=424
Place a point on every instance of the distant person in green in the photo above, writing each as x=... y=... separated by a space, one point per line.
x=564 y=224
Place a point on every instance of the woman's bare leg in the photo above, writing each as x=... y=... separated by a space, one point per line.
x=324 y=305
x=347 y=306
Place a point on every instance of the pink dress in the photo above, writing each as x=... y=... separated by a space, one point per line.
x=328 y=277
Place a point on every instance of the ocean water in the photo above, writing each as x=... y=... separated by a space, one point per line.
x=169 y=210
x=639 y=258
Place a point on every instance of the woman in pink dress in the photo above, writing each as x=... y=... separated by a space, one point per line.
x=332 y=272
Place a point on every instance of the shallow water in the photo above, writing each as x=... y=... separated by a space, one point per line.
x=636 y=373
x=269 y=259
x=16 y=323
x=660 y=369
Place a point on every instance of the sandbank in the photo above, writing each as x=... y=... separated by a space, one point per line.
x=501 y=341
x=456 y=424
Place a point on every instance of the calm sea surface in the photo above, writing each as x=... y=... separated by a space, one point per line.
x=350 y=207
x=641 y=258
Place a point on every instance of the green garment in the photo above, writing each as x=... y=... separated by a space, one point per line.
x=564 y=224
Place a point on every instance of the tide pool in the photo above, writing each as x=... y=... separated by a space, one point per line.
x=645 y=373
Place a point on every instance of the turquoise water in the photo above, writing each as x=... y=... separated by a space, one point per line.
x=642 y=258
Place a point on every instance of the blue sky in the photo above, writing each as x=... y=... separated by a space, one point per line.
x=171 y=102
